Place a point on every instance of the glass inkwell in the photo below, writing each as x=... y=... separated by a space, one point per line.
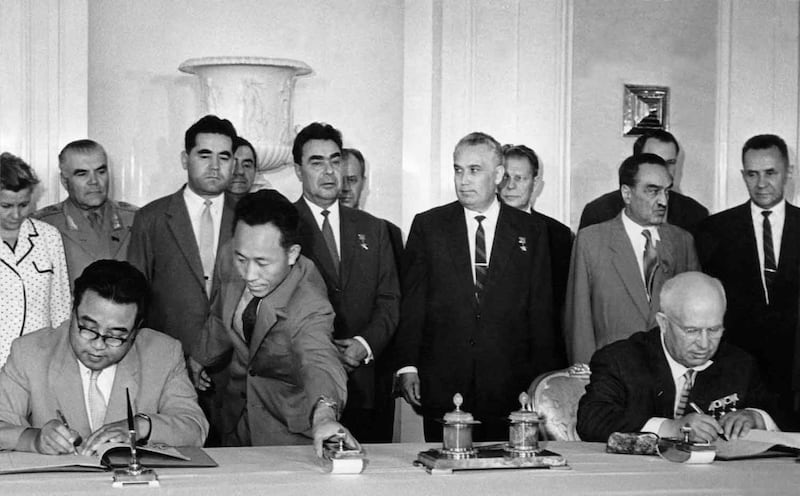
x=458 y=431
x=523 y=429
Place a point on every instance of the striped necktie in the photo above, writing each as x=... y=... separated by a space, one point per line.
x=481 y=266
x=770 y=267
x=688 y=377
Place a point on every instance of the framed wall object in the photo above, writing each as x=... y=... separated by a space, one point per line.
x=644 y=108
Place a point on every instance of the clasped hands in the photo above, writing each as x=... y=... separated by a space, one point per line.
x=54 y=438
x=706 y=428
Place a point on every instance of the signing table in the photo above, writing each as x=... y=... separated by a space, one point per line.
x=296 y=471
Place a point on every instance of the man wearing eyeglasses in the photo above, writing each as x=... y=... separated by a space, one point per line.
x=63 y=390
x=677 y=374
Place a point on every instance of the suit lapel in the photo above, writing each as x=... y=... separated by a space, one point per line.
x=664 y=386
x=502 y=245
x=127 y=376
x=233 y=294
x=314 y=246
x=624 y=260
x=455 y=237
x=65 y=377
x=26 y=240
x=745 y=232
x=790 y=240
x=180 y=225
x=348 y=239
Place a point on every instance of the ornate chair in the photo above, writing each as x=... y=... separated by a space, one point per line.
x=555 y=395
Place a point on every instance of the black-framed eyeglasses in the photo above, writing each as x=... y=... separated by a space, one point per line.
x=696 y=332
x=91 y=335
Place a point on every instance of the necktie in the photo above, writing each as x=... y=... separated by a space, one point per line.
x=770 y=267
x=97 y=404
x=249 y=318
x=650 y=259
x=206 y=244
x=688 y=377
x=95 y=222
x=327 y=233
x=481 y=267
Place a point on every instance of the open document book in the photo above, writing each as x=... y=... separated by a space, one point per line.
x=111 y=455
x=759 y=443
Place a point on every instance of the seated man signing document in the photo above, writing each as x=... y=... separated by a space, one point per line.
x=656 y=381
x=65 y=388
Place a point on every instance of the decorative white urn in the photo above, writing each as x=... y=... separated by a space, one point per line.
x=255 y=93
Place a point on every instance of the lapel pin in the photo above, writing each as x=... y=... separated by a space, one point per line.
x=362 y=239
x=523 y=243
x=115 y=222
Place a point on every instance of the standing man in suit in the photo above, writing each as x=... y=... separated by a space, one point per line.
x=84 y=367
x=272 y=312
x=647 y=382
x=682 y=211
x=754 y=249
x=619 y=266
x=92 y=226
x=243 y=172
x=517 y=190
x=175 y=239
x=477 y=312
x=351 y=249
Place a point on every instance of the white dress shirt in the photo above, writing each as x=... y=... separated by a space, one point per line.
x=195 y=204
x=333 y=220
x=776 y=220
x=638 y=240
x=105 y=382
x=489 y=225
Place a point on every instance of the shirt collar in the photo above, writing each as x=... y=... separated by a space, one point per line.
x=634 y=230
x=490 y=213
x=196 y=202
x=778 y=210
x=84 y=370
x=317 y=210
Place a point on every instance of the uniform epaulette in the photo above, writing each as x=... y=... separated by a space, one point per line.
x=54 y=209
x=127 y=206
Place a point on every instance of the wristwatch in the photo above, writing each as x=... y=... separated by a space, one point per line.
x=144 y=439
x=326 y=401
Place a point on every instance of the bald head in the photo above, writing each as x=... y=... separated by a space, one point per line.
x=692 y=312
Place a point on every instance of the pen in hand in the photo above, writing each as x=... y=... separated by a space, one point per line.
x=698 y=410
x=77 y=439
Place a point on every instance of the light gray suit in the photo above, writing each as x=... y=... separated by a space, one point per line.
x=42 y=375
x=606 y=295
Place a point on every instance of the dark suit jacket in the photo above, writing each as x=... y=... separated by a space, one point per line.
x=489 y=352
x=366 y=293
x=291 y=360
x=682 y=211
x=396 y=239
x=164 y=248
x=726 y=246
x=561 y=238
x=606 y=295
x=42 y=375
x=631 y=382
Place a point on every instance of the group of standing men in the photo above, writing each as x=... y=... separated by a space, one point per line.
x=291 y=316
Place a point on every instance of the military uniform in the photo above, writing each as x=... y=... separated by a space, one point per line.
x=82 y=243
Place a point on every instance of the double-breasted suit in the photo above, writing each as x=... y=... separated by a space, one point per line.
x=42 y=376
x=289 y=363
x=365 y=293
x=488 y=351
x=606 y=295
x=631 y=382
x=727 y=249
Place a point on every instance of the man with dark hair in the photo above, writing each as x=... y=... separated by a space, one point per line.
x=618 y=266
x=92 y=226
x=245 y=163
x=175 y=239
x=84 y=367
x=477 y=312
x=682 y=211
x=647 y=382
x=351 y=249
x=287 y=384
x=519 y=189
x=754 y=249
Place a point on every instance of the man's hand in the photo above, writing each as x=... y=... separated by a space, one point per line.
x=409 y=388
x=737 y=424
x=330 y=429
x=579 y=369
x=704 y=427
x=55 y=439
x=351 y=353
x=198 y=375
x=115 y=432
